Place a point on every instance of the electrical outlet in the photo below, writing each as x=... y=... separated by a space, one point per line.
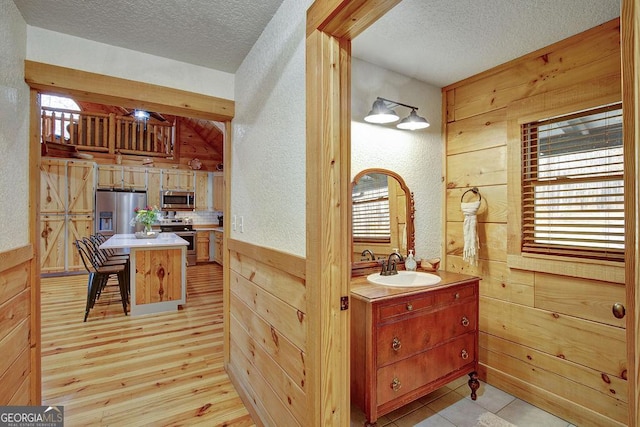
x=233 y=223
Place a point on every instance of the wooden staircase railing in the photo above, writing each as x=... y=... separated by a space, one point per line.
x=107 y=133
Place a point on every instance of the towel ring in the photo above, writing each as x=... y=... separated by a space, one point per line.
x=474 y=190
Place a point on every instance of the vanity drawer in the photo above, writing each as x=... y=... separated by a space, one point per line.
x=406 y=306
x=401 y=339
x=410 y=374
x=459 y=293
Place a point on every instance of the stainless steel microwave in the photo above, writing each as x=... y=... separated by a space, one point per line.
x=177 y=200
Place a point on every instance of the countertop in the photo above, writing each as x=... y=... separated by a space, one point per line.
x=208 y=228
x=123 y=241
x=363 y=289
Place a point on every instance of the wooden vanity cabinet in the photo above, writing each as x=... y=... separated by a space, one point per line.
x=407 y=345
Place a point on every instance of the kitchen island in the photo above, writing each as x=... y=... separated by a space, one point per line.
x=157 y=271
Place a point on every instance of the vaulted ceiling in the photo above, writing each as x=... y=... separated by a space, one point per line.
x=435 y=41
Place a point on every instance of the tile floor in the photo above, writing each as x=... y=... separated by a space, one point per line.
x=451 y=406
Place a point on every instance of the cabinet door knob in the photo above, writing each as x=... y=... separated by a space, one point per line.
x=465 y=321
x=409 y=306
x=618 y=310
x=464 y=354
x=396 y=344
x=457 y=295
x=395 y=384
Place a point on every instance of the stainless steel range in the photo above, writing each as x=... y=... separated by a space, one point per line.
x=183 y=228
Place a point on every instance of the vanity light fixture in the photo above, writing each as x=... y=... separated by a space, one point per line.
x=382 y=112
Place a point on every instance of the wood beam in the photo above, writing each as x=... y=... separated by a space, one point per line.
x=103 y=89
x=344 y=18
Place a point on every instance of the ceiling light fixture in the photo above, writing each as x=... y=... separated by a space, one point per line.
x=141 y=114
x=382 y=112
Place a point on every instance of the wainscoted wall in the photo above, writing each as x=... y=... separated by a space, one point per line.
x=268 y=333
x=19 y=360
x=547 y=332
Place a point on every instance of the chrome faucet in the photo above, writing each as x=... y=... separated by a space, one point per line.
x=389 y=268
x=368 y=251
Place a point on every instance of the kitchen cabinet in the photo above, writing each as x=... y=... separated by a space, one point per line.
x=116 y=177
x=134 y=178
x=203 y=191
x=154 y=181
x=179 y=180
x=80 y=187
x=407 y=345
x=202 y=246
x=66 y=214
x=52 y=243
x=58 y=234
x=218 y=192
x=78 y=226
x=109 y=177
x=53 y=186
x=217 y=247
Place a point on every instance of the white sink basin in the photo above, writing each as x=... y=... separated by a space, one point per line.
x=409 y=279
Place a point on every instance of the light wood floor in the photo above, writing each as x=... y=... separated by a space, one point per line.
x=156 y=370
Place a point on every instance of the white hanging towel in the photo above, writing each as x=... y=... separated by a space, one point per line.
x=471 y=242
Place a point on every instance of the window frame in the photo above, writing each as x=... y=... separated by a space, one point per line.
x=577 y=240
x=531 y=109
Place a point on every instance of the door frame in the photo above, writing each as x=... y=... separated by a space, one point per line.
x=102 y=89
x=630 y=51
x=331 y=25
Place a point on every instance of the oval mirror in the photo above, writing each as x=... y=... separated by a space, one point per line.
x=382 y=217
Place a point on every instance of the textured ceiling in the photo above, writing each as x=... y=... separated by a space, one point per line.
x=215 y=34
x=444 y=41
x=436 y=41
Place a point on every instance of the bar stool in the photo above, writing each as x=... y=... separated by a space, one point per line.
x=99 y=276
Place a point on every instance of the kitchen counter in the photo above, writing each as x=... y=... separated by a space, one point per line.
x=208 y=228
x=157 y=271
x=125 y=241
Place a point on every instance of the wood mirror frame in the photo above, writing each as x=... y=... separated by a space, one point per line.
x=357 y=265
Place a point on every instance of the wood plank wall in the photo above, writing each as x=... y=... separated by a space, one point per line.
x=547 y=332
x=269 y=333
x=16 y=346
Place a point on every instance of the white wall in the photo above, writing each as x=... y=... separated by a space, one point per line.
x=414 y=155
x=268 y=136
x=64 y=50
x=14 y=124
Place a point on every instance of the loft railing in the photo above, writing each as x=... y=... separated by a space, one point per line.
x=107 y=133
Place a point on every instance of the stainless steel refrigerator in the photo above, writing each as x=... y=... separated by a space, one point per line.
x=115 y=209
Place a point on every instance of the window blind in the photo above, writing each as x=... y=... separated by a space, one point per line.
x=371 y=219
x=572 y=185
